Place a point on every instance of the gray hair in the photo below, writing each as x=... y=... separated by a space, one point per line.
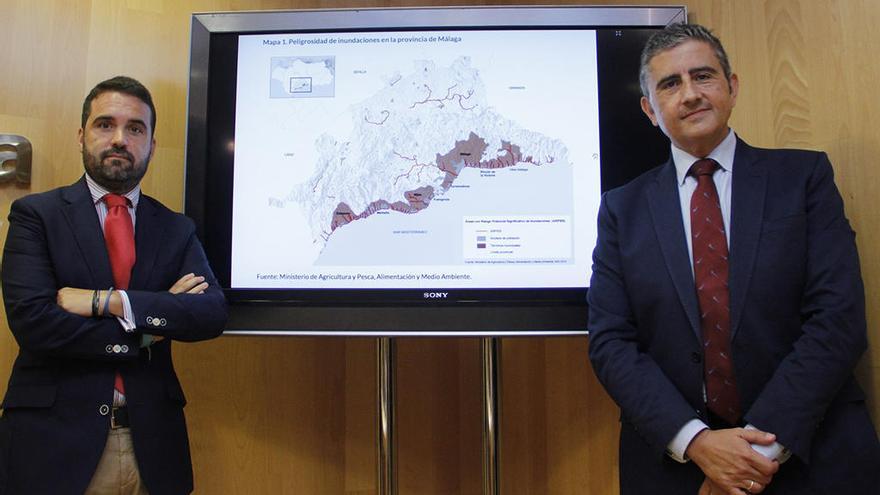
x=672 y=36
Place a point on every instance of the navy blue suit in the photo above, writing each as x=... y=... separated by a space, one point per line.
x=797 y=324
x=53 y=431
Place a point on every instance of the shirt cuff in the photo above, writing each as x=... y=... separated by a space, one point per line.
x=680 y=442
x=775 y=451
x=127 y=320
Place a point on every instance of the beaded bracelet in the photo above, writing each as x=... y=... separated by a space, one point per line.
x=95 y=301
x=105 y=311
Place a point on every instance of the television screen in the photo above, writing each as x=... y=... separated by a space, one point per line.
x=350 y=169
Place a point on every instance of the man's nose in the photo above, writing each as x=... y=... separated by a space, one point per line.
x=119 y=137
x=689 y=91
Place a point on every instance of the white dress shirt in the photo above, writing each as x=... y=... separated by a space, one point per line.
x=98 y=193
x=723 y=155
x=127 y=321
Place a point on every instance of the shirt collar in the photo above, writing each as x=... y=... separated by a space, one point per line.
x=99 y=192
x=723 y=154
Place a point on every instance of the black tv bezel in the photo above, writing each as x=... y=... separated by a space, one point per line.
x=472 y=311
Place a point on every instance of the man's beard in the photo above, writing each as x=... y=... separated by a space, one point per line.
x=115 y=177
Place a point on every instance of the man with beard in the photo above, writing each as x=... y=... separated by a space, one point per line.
x=98 y=280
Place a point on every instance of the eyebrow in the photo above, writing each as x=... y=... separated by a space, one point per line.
x=101 y=118
x=695 y=70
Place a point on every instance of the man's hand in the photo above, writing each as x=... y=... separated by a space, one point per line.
x=729 y=463
x=76 y=301
x=708 y=488
x=189 y=284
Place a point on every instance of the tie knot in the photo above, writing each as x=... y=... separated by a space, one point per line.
x=706 y=166
x=114 y=200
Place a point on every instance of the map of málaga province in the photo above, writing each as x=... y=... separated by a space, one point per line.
x=408 y=146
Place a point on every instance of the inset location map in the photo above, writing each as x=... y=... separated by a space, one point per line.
x=416 y=159
x=302 y=77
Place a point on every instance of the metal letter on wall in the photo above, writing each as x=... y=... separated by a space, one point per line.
x=15 y=158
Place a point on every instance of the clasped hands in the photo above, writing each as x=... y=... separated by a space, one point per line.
x=730 y=464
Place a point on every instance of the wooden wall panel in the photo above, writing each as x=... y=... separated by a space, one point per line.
x=559 y=427
x=281 y=407
x=438 y=416
x=298 y=415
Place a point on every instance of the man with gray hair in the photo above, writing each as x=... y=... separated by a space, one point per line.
x=726 y=302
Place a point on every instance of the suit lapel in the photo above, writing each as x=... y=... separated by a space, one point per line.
x=147 y=238
x=746 y=213
x=79 y=211
x=665 y=208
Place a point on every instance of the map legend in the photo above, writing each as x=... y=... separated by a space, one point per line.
x=517 y=239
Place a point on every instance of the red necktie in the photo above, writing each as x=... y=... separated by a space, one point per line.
x=710 y=276
x=119 y=237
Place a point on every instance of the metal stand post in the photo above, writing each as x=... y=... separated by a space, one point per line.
x=490 y=361
x=387 y=480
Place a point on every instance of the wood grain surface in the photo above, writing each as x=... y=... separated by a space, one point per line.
x=298 y=415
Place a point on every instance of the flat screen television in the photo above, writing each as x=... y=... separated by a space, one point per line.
x=413 y=171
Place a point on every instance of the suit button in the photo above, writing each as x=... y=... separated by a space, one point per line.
x=109 y=348
x=117 y=348
x=696 y=358
x=125 y=348
x=104 y=410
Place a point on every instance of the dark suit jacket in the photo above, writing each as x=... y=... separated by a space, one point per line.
x=53 y=432
x=797 y=324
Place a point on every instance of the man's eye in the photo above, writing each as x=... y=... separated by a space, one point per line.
x=136 y=130
x=103 y=125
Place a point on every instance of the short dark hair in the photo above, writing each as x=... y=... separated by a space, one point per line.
x=126 y=86
x=672 y=36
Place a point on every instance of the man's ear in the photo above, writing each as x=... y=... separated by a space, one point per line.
x=734 y=87
x=79 y=139
x=648 y=110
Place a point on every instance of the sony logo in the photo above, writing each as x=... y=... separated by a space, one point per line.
x=436 y=295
